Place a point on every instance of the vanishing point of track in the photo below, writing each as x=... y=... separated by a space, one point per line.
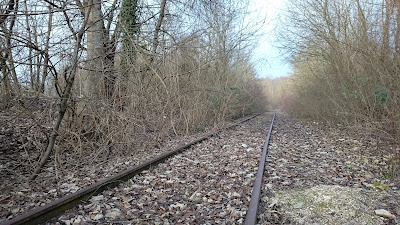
x=44 y=213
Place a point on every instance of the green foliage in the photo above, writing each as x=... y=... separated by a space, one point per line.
x=381 y=96
x=130 y=26
x=250 y=106
x=349 y=166
x=360 y=79
x=215 y=101
x=380 y=186
x=346 y=91
x=236 y=92
x=130 y=17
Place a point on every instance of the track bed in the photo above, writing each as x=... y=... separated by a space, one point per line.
x=207 y=184
x=319 y=174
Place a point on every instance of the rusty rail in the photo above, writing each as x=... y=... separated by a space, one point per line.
x=251 y=216
x=44 y=213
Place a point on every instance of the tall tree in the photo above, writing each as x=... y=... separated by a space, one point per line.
x=130 y=29
x=101 y=47
x=8 y=16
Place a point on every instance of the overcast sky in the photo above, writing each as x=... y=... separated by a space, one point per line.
x=269 y=62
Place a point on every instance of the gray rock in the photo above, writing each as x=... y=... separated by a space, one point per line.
x=98 y=217
x=298 y=205
x=384 y=213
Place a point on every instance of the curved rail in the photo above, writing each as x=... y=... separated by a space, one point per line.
x=251 y=216
x=44 y=213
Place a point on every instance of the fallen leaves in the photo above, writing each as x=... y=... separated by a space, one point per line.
x=305 y=156
x=19 y=195
x=210 y=183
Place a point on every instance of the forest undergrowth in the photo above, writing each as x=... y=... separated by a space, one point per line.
x=120 y=77
x=345 y=57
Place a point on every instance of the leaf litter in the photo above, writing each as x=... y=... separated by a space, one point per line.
x=310 y=164
x=318 y=174
x=19 y=195
x=210 y=183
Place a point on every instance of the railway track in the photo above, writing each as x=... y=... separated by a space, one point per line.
x=251 y=216
x=45 y=213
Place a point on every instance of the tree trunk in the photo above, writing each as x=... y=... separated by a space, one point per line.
x=157 y=30
x=64 y=100
x=386 y=11
x=95 y=52
x=397 y=35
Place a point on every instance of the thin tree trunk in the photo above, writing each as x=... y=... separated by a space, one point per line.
x=9 y=70
x=157 y=30
x=30 y=55
x=397 y=35
x=64 y=99
x=5 y=80
x=386 y=11
x=46 y=56
x=6 y=86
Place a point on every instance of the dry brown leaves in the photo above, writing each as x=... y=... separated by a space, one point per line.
x=209 y=184
x=315 y=175
x=19 y=195
x=308 y=160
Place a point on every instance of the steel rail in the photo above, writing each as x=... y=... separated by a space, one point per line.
x=251 y=215
x=44 y=213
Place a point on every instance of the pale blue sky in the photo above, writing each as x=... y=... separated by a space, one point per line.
x=269 y=61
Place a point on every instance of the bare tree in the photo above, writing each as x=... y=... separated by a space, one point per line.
x=124 y=68
x=66 y=93
x=7 y=23
x=345 y=55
